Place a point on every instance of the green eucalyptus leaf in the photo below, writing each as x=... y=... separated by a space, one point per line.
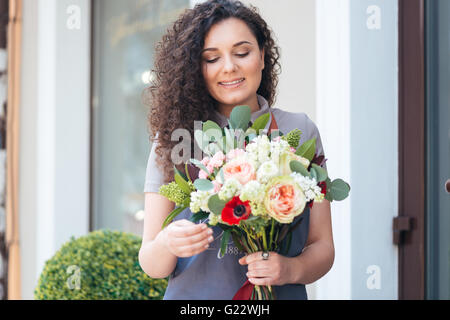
x=210 y=126
x=296 y=166
x=240 y=139
x=339 y=189
x=229 y=144
x=203 y=184
x=322 y=174
x=213 y=133
x=216 y=205
x=328 y=195
x=220 y=175
x=240 y=117
x=313 y=173
x=212 y=148
x=222 y=144
x=202 y=140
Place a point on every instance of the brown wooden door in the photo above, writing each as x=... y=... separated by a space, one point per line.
x=409 y=228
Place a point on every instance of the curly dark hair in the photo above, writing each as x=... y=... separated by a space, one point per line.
x=179 y=95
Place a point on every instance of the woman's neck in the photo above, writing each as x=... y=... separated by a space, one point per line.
x=252 y=103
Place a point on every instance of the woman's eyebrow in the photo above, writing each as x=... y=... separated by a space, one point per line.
x=235 y=45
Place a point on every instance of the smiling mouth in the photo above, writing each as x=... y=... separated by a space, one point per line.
x=232 y=83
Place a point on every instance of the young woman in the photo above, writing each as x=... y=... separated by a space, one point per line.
x=219 y=55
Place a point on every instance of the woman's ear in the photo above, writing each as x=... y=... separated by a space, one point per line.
x=262 y=57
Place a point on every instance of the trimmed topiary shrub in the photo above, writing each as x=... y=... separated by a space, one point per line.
x=102 y=265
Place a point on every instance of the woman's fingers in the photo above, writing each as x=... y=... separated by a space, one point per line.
x=260 y=281
x=184 y=228
x=190 y=240
x=185 y=238
x=188 y=251
x=259 y=273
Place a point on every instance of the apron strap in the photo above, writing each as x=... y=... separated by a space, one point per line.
x=273 y=124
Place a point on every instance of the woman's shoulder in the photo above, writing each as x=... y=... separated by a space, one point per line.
x=294 y=120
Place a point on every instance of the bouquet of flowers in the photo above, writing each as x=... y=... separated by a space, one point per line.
x=252 y=185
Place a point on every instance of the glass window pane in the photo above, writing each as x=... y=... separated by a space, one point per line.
x=124 y=36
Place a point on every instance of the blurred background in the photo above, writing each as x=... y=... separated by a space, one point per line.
x=373 y=75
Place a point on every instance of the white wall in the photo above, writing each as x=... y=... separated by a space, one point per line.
x=333 y=118
x=54 y=141
x=358 y=114
x=293 y=23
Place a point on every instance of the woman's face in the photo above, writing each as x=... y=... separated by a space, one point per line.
x=232 y=63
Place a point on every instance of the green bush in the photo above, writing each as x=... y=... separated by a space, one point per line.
x=102 y=265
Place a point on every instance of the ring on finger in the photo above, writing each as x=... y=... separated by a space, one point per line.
x=265 y=255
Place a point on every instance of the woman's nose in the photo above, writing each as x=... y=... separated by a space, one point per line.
x=229 y=65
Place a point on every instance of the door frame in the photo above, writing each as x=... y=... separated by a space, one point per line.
x=412 y=149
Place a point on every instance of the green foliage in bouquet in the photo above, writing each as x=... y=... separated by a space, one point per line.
x=102 y=265
x=293 y=138
x=212 y=139
x=175 y=193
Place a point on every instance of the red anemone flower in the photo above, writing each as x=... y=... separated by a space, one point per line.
x=236 y=210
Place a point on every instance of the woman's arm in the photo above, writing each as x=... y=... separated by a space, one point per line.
x=318 y=255
x=315 y=261
x=154 y=257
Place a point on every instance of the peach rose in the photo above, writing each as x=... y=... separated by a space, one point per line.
x=284 y=199
x=240 y=169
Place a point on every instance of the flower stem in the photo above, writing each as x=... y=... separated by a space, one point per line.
x=264 y=240
x=258 y=290
x=271 y=233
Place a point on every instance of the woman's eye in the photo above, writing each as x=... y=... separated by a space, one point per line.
x=238 y=54
x=212 y=61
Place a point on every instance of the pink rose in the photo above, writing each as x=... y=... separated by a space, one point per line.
x=217 y=160
x=240 y=169
x=202 y=174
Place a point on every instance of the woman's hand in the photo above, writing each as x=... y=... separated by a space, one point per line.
x=273 y=271
x=184 y=238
